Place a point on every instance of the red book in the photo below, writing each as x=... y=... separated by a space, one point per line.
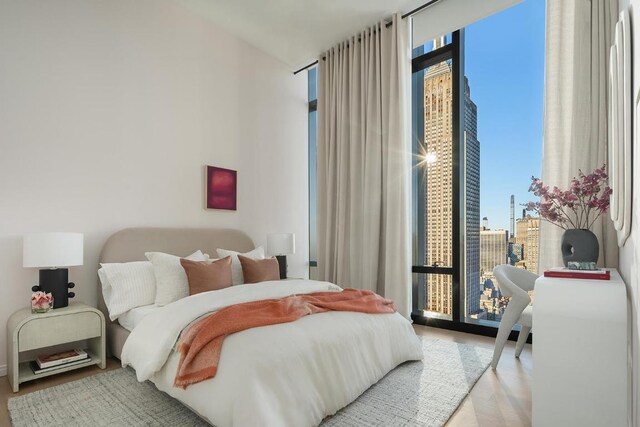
x=579 y=274
x=49 y=360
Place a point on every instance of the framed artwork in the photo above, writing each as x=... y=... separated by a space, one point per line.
x=221 y=188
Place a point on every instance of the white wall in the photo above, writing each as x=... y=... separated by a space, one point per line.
x=630 y=253
x=109 y=109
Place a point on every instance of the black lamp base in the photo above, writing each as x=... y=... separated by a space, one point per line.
x=56 y=282
x=282 y=261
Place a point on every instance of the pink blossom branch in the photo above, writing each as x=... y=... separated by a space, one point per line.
x=573 y=207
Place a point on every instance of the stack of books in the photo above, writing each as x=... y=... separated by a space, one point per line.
x=52 y=362
x=567 y=273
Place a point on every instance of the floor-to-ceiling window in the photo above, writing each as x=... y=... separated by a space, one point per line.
x=435 y=119
x=477 y=140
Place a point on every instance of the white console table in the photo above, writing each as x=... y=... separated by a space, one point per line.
x=580 y=371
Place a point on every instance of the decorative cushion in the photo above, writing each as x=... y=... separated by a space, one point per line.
x=236 y=268
x=171 y=279
x=259 y=270
x=207 y=276
x=127 y=285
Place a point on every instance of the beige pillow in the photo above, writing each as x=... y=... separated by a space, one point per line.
x=259 y=270
x=171 y=280
x=205 y=276
x=236 y=268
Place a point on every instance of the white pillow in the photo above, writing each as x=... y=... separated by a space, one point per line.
x=127 y=285
x=171 y=280
x=236 y=267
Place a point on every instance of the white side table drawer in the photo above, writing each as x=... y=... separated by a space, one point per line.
x=59 y=330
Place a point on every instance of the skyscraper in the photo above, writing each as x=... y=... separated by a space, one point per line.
x=472 y=199
x=438 y=106
x=438 y=144
x=493 y=249
x=512 y=220
x=527 y=234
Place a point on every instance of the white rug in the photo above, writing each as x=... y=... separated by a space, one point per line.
x=424 y=393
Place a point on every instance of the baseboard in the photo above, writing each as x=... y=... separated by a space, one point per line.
x=3 y=370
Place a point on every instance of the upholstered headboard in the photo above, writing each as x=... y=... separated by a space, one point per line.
x=130 y=244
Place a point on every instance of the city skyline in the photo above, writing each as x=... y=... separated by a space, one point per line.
x=503 y=67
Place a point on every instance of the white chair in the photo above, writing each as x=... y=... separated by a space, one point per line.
x=515 y=283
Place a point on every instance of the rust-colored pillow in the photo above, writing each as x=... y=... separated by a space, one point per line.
x=259 y=270
x=206 y=276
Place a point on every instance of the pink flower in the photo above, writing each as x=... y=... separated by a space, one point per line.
x=41 y=300
x=579 y=206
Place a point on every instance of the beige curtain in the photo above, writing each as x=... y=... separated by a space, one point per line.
x=364 y=163
x=579 y=35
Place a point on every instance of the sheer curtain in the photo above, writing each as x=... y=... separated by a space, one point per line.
x=579 y=35
x=364 y=163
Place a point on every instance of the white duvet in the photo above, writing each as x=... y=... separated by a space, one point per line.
x=292 y=374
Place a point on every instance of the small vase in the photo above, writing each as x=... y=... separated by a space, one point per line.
x=579 y=245
x=41 y=308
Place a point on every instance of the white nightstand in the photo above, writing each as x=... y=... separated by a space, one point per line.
x=27 y=331
x=580 y=352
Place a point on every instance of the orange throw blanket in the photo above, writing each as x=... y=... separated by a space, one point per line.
x=201 y=344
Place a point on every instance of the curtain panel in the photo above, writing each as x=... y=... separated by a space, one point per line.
x=579 y=35
x=363 y=164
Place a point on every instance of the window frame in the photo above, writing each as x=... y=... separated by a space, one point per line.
x=420 y=63
x=453 y=51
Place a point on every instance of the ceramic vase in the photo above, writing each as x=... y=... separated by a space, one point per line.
x=579 y=245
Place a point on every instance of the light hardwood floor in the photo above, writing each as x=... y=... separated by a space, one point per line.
x=499 y=398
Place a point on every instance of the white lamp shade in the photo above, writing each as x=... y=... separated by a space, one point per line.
x=281 y=243
x=52 y=249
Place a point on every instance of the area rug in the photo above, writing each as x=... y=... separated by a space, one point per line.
x=423 y=393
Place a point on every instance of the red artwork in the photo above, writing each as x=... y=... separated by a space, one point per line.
x=221 y=188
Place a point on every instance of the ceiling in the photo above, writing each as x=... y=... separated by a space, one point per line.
x=296 y=31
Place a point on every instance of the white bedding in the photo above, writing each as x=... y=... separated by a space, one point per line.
x=131 y=318
x=292 y=374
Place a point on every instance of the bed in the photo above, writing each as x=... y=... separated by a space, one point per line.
x=292 y=374
x=131 y=244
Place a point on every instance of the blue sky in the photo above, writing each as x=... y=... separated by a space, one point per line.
x=504 y=62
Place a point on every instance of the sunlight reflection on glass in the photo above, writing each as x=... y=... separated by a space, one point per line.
x=431 y=157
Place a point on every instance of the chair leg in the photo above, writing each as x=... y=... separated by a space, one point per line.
x=503 y=334
x=522 y=339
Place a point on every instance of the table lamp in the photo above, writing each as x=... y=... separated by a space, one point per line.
x=281 y=245
x=49 y=252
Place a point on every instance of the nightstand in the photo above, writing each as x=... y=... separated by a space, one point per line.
x=27 y=331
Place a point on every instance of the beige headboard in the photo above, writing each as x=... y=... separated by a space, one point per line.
x=130 y=244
